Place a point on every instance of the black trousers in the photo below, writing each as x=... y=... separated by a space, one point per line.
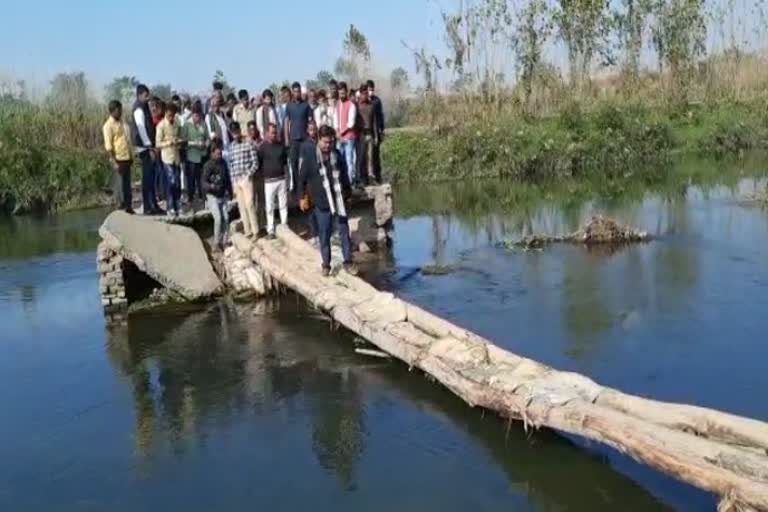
x=122 y=185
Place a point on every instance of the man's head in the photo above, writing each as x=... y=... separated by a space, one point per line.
x=322 y=98
x=333 y=89
x=285 y=94
x=115 y=109
x=186 y=101
x=197 y=114
x=170 y=112
x=253 y=131
x=363 y=94
x=312 y=130
x=156 y=106
x=231 y=100
x=142 y=93
x=326 y=138
x=216 y=148
x=343 y=91
x=176 y=100
x=218 y=87
x=267 y=97
x=234 y=129
x=312 y=96
x=296 y=91
x=216 y=102
x=272 y=132
x=242 y=95
x=371 y=87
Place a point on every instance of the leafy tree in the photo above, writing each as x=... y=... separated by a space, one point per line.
x=122 y=88
x=218 y=76
x=69 y=91
x=584 y=27
x=398 y=80
x=354 y=64
x=162 y=91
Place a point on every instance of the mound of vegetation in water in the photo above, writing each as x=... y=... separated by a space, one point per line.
x=598 y=231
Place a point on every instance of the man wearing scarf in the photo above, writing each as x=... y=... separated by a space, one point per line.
x=323 y=182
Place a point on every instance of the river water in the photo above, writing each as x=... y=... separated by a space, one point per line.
x=242 y=406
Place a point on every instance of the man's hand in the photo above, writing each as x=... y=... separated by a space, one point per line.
x=304 y=203
x=152 y=154
x=114 y=164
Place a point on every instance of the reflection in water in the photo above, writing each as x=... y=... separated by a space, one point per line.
x=225 y=364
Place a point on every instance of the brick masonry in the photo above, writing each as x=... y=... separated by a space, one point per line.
x=110 y=266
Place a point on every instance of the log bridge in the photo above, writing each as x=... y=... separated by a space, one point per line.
x=718 y=452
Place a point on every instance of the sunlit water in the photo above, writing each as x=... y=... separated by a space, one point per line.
x=244 y=406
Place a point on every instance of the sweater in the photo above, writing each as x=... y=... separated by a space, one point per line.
x=273 y=160
x=311 y=180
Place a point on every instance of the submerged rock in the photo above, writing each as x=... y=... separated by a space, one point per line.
x=438 y=270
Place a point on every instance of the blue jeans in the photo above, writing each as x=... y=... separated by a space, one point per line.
x=220 y=212
x=348 y=148
x=324 y=222
x=172 y=186
x=148 y=182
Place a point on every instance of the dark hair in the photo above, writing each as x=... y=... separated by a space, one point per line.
x=267 y=93
x=363 y=87
x=370 y=84
x=326 y=131
x=172 y=108
x=218 y=86
x=242 y=94
x=175 y=98
x=271 y=125
x=295 y=85
x=285 y=88
x=141 y=89
x=312 y=89
x=197 y=108
x=113 y=106
x=342 y=85
x=217 y=144
x=321 y=93
x=251 y=123
x=231 y=96
x=333 y=82
x=234 y=126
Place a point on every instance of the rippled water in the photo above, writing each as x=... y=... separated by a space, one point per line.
x=238 y=406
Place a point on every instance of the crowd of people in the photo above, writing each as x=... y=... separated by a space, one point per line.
x=309 y=147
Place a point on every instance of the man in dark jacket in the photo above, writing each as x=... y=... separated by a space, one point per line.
x=323 y=176
x=379 y=106
x=215 y=185
x=144 y=142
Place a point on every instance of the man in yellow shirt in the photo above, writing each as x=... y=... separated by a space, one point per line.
x=168 y=141
x=118 y=146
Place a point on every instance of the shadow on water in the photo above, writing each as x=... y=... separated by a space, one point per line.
x=224 y=363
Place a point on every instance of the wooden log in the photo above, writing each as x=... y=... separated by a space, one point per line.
x=715 y=451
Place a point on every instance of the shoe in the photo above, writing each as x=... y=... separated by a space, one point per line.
x=169 y=214
x=351 y=269
x=326 y=271
x=157 y=211
x=130 y=211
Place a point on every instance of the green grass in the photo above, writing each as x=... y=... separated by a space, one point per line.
x=613 y=140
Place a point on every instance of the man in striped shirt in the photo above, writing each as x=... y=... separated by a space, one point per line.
x=242 y=167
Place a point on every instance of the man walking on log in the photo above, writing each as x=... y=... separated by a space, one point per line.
x=323 y=175
x=118 y=146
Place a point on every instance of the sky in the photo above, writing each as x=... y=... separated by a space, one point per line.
x=182 y=43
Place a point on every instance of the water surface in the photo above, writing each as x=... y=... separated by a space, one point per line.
x=238 y=406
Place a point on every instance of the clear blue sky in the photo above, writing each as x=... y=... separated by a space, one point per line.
x=99 y=37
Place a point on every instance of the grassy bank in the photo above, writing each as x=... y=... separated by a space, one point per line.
x=52 y=159
x=609 y=140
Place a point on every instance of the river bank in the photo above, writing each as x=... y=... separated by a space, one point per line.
x=610 y=140
x=52 y=162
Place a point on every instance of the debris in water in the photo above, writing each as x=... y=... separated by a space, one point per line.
x=438 y=269
x=599 y=230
